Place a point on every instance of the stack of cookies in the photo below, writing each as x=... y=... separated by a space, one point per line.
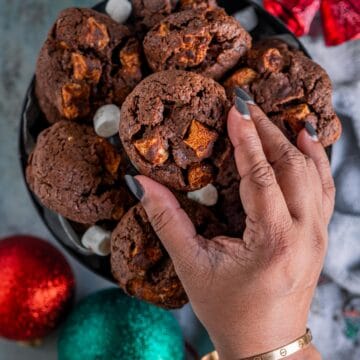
x=152 y=96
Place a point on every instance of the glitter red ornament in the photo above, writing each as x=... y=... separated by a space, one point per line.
x=36 y=288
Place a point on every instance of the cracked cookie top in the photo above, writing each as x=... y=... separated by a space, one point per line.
x=77 y=174
x=206 y=41
x=140 y=263
x=173 y=128
x=88 y=60
x=290 y=88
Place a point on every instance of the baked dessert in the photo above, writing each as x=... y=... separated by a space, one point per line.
x=290 y=88
x=206 y=41
x=147 y=13
x=88 y=60
x=173 y=128
x=77 y=174
x=197 y=4
x=229 y=207
x=140 y=263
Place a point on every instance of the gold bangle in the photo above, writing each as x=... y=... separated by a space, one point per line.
x=281 y=353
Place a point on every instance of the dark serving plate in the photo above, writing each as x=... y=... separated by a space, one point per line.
x=32 y=123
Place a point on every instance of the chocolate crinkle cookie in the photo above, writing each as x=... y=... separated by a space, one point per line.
x=77 y=174
x=206 y=41
x=173 y=128
x=290 y=88
x=88 y=60
x=140 y=263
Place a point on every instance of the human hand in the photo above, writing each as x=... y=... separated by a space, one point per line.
x=254 y=294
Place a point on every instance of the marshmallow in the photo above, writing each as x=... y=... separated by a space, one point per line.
x=207 y=195
x=119 y=10
x=97 y=240
x=247 y=18
x=106 y=120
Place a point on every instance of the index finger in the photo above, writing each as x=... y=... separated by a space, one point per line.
x=260 y=193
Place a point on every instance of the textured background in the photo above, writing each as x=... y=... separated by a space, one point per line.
x=23 y=27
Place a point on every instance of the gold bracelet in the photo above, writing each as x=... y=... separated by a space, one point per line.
x=281 y=353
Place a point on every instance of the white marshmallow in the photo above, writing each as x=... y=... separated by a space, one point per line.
x=119 y=10
x=106 y=120
x=247 y=18
x=207 y=195
x=97 y=240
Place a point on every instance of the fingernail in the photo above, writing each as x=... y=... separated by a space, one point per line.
x=242 y=108
x=134 y=186
x=244 y=96
x=311 y=131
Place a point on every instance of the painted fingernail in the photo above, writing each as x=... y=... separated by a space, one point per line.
x=134 y=186
x=242 y=108
x=311 y=131
x=244 y=96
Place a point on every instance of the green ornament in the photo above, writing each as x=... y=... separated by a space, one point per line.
x=109 y=326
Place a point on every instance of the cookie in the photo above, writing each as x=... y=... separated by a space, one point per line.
x=197 y=4
x=140 y=263
x=229 y=207
x=88 y=60
x=147 y=13
x=290 y=88
x=173 y=128
x=78 y=174
x=205 y=41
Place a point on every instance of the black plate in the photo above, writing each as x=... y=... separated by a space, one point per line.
x=33 y=122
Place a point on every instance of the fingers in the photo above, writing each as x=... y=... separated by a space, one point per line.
x=261 y=195
x=169 y=220
x=309 y=144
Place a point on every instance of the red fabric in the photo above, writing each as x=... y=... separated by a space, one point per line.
x=341 y=18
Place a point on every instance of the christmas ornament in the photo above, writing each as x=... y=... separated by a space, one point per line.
x=341 y=20
x=109 y=325
x=36 y=286
x=296 y=14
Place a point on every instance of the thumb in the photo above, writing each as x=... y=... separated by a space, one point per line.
x=168 y=219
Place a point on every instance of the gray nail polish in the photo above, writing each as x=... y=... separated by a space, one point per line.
x=134 y=186
x=242 y=108
x=243 y=95
x=311 y=131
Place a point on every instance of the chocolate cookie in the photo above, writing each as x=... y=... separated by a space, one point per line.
x=148 y=13
x=141 y=264
x=229 y=207
x=206 y=41
x=173 y=128
x=88 y=60
x=77 y=174
x=197 y=4
x=290 y=88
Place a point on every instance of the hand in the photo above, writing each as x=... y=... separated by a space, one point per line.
x=253 y=294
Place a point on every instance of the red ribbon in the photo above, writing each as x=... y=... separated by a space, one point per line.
x=340 y=18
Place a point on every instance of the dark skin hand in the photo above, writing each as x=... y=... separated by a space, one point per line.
x=253 y=294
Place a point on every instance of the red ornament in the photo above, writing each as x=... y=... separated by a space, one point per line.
x=341 y=20
x=296 y=14
x=36 y=287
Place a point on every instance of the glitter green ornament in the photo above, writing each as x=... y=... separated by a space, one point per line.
x=109 y=325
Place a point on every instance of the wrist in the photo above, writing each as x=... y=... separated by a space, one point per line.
x=262 y=329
